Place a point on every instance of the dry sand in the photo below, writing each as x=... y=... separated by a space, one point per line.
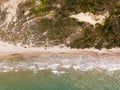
x=7 y=50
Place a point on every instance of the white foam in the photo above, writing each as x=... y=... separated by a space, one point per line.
x=58 y=72
x=16 y=70
x=42 y=68
x=33 y=68
x=76 y=67
x=66 y=66
x=53 y=66
x=110 y=67
x=105 y=65
x=110 y=63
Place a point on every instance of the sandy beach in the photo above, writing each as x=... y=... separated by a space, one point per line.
x=13 y=58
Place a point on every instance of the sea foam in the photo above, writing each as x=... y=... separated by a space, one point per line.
x=78 y=64
x=58 y=58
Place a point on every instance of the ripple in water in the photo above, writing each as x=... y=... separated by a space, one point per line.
x=72 y=80
x=59 y=72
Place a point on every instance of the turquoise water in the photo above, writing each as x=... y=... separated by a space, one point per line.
x=71 y=80
x=60 y=72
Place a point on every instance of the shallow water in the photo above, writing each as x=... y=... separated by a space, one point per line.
x=72 y=80
x=60 y=71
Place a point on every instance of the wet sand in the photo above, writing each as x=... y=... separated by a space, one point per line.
x=69 y=54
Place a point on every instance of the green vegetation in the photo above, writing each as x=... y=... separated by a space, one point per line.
x=52 y=16
x=58 y=30
x=106 y=36
x=42 y=6
x=61 y=27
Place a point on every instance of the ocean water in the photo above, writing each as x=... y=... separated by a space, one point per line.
x=72 y=80
x=60 y=72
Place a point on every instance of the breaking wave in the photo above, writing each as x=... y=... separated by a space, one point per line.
x=60 y=63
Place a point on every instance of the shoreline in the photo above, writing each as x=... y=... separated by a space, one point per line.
x=91 y=51
x=37 y=60
x=7 y=49
x=15 y=58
